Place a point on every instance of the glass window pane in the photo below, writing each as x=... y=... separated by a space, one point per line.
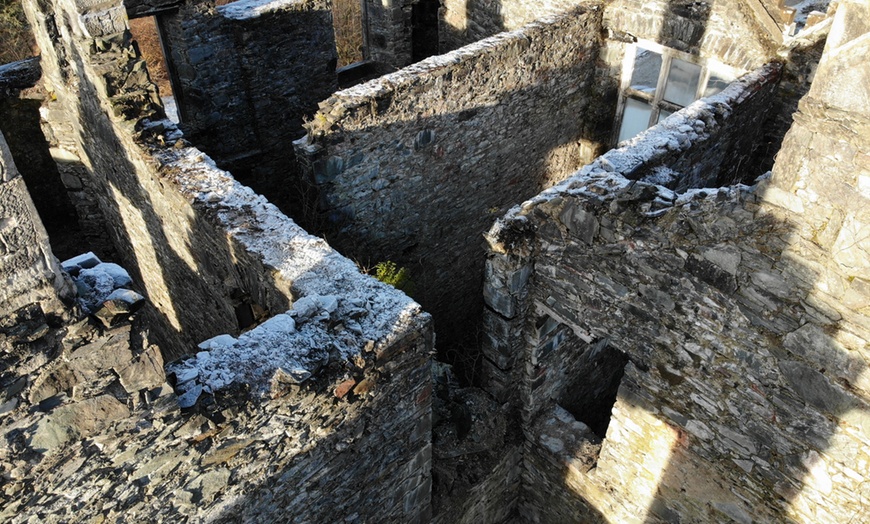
x=716 y=84
x=635 y=118
x=682 y=83
x=647 y=65
x=663 y=113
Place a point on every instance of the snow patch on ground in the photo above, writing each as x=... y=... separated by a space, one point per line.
x=97 y=282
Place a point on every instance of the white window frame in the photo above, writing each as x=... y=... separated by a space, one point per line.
x=657 y=102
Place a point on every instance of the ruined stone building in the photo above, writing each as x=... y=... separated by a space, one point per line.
x=635 y=234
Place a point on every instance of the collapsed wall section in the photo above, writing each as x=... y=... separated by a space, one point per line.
x=412 y=167
x=349 y=442
x=246 y=75
x=741 y=313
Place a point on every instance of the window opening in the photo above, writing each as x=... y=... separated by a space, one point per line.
x=592 y=395
x=661 y=81
x=681 y=87
x=647 y=68
x=424 y=29
x=146 y=33
x=347 y=20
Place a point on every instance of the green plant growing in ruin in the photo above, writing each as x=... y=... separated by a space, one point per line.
x=398 y=277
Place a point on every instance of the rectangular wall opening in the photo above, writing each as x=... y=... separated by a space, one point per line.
x=424 y=29
x=146 y=33
x=592 y=394
x=347 y=19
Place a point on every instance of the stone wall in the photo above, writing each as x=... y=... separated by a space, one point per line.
x=247 y=76
x=21 y=97
x=351 y=442
x=719 y=29
x=320 y=413
x=722 y=151
x=702 y=146
x=388 y=33
x=193 y=274
x=412 y=167
x=462 y=22
x=734 y=321
x=30 y=273
x=168 y=208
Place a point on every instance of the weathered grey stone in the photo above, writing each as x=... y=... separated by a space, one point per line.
x=63 y=378
x=75 y=421
x=118 y=306
x=189 y=397
x=144 y=372
x=104 y=353
x=499 y=300
x=711 y=273
x=581 y=224
x=773 y=283
x=8 y=406
x=814 y=388
x=209 y=484
x=724 y=256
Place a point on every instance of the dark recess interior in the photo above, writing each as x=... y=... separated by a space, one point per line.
x=592 y=394
x=424 y=24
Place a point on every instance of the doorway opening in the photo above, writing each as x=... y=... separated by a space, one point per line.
x=593 y=394
x=347 y=20
x=424 y=29
x=146 y=33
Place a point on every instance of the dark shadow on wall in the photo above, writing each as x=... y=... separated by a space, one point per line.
x=20 y=123
x=424 y=29
x=194 y=277
x=422 y=192
x=743 y=369
x=798 y=70
x=478 y=19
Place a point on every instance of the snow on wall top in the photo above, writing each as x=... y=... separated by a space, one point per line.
x=606 y=174
x=247 y=9
x=360 y=95
x=328 y=288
